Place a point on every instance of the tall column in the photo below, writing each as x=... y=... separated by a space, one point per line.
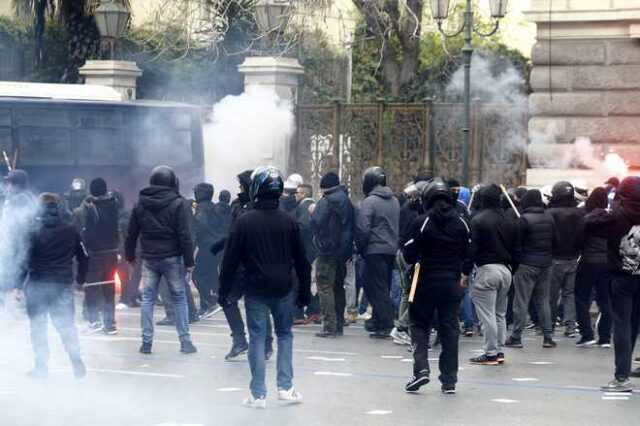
x=585 y=82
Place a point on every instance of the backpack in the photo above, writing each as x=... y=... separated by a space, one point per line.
x=630 y=251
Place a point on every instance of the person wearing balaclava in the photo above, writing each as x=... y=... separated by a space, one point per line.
x=49 y=288
x=493 y=238
x=223 y=209
x=621 y=227
x=161 y=219
x=229 y=302
x=207 y=230
x=567 y=217
x=98 y=220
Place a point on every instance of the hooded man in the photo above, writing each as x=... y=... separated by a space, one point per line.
x=49 y=290
x=492 y=244
x=98 y=219
x=621 y=228
x=266 y=241
x=207 y=230
x=161 y=220
x=376 y=236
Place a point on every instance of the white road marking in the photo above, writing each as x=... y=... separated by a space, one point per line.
x=582 y=387
x=391 y=357
x=407 y=360
x=525 y=379
x=145 y=365
x=125 y=372
x=505 y=401
x=323 y=352
x=329 y=373
x=379 y=412
x=173 y=331
x=614 y=394
x=229 y=389
x=7 y=392
x=477 y=351
x=615 y=398
x=434 y=359
x=322 y=358
x=541 y=362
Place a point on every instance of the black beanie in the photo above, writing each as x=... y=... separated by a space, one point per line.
x=330 y=180
x=98 y=187
x=491 y=196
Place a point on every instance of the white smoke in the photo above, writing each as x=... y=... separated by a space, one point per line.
x=248 y=130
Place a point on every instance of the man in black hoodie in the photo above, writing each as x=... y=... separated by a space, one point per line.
x=621 y=228
x=534 y=251
x=492 y=244
x=267 y=242
x=567 y=218
x=49 y=291
x=161 y=220
x=98 y=220
x=376 y=236
x=207 y=230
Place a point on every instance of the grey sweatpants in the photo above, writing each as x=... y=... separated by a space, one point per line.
x=490 y=294
x=563 y=283
x=531 y=282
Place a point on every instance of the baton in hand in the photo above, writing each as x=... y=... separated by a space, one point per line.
x=414 y=282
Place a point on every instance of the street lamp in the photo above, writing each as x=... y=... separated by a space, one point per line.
x=112 y=19
x=440 y=11
x=272 y=15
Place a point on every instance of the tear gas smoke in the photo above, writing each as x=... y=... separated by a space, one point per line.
x=248 y=130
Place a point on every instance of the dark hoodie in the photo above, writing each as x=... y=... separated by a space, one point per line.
x=99 y=222
x=161 y=219
x=567 y=218
x=621 y=228
x=535 y=232
x=378 y=224
x=332 y=223
x=53 y=247
x=593 y=249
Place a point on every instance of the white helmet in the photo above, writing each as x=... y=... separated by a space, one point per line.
x=293 y=182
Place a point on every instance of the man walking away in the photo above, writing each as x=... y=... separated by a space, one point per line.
x=376 y=237
x=207 y=230
x=439 y=242
x=621 y=228
x=492 y=244
x=161 y=220
x=535 y=247
x=332 y=223
x=267 y=242
x=49 y=291
x=567 y=218
x=98 y=219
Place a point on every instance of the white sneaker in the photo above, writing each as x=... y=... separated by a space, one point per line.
x=252 y=402
x=121 y=307
x=364 y=316
x=290 y=395
x=400 y=337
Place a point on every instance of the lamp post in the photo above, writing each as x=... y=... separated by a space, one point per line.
x=272 y=16
x=440 y=11
x=112 y=19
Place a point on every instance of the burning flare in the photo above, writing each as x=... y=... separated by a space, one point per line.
x=615 y=165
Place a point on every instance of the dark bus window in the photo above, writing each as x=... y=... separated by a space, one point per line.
x=5 y=117
x=101 y=147
x=43 y=117
x=100 y=118
x=162 y=146
x=5 y=141
x=45 y=145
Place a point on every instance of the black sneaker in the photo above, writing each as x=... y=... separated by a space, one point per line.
x=512 y=342
x=268 y=352
x=326 y=334
x=484 y=360
x=500 y=358
x=167 y=322
x=370 y=326
x=448 y=388
x=570 y=333
x=603 y=343
x=636 y=360
x=145 y=348
x=194 y=319
x=417 y=381
x=585 y=342
x=381 y=334
x=236 y=351
x=79 y=370
x=187 y=347
x=530 y=325
x=468 y=331
x=635 y=373
x=549 y=344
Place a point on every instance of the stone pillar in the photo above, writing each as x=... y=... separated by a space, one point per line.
x=585 y=82
x=280 y=75
x=121 y=75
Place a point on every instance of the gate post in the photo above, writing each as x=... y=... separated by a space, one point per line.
x=476 y=143
x=427 y=154
x=379 y=131
x=335 y=145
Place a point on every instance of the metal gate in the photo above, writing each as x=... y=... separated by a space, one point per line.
x=406 y=138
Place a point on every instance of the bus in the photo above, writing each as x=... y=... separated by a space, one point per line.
x=57 y=140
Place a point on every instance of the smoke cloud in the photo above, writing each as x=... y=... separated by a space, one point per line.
x=247 y=131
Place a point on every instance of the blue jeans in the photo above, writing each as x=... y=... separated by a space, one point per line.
x=468 y=311
x=396 y=291
x=258 y=309
x=173 y=271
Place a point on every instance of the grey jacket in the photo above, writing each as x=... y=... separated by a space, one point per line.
x=378 y=223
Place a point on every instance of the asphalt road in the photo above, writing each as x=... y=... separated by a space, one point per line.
x=351 y=380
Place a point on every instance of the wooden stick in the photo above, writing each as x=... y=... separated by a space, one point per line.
x=513 y=206
x=414 y=282
x=15 y=158
x=99 y=283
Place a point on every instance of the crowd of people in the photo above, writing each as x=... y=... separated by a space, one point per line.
x=433 y=262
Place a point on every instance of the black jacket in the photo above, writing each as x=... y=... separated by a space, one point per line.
x=53 y=247
x=162 y=220
x=493 y=238
x=408 y=213
x=378 y=224
x=567 y=227
x=207 y=226
x=332 y=223
x=224 y=215
x=303 y=217
x=439 y=240
x=266 y=241
x=535 y=238
x=99 y=223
